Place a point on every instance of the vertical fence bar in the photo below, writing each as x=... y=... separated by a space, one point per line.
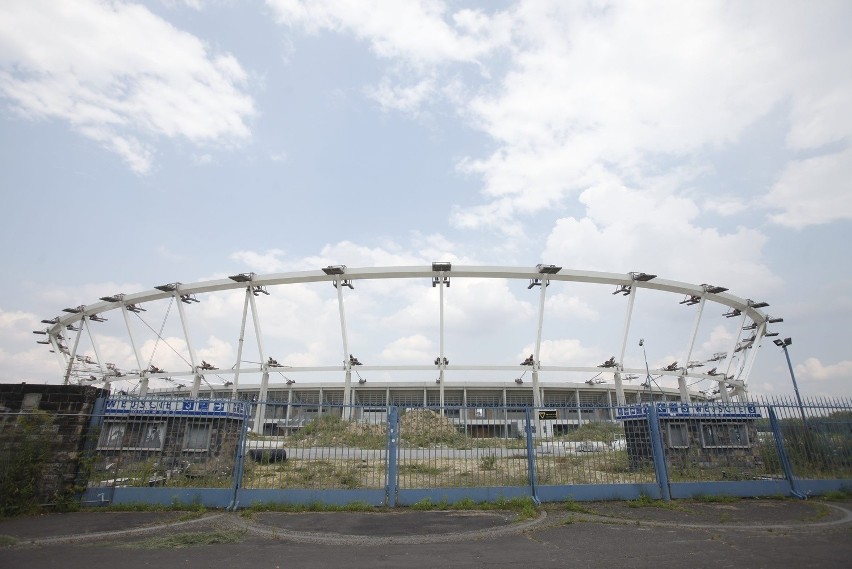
x=531 y=454
x=657 y=450
x=392 y=446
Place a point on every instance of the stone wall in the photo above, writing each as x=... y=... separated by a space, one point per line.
x=43 y=431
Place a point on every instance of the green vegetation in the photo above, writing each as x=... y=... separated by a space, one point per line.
x=713 y=499
x=22 y=462
x=7 y=541
x=522 y=506
x=572 y=506
x=645 y=501
x=837 y=495
x=488 y=462
x=604 y=432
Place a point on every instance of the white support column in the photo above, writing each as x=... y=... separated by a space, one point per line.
x=73 y=355
x=256 y=319
x=289 y=407
x=62 y=356
x=347 y=366
x=761 y=330
x=239 y=365
x=681 y=381
x=683 y=388
x=579 y=409
x=196 y=384
x=537 y=355
x=723 y=391
x=264 y=378
x=441 y=354
x=730 y=358
x=95 y=347
x=619 y=386
x=143 y=380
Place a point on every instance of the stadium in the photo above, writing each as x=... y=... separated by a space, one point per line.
x=169 y=363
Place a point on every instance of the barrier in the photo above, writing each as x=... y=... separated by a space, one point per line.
x=210 y=452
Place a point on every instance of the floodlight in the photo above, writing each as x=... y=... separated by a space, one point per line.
x=77 y=310
x=441 y=267
x=754 y=304
x=113 y=298
x=712 y=289
x=242 y=277
x=334 y=269
x=548 y=269
x=642 y=276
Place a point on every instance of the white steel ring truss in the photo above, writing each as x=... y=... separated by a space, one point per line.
x=340 y=276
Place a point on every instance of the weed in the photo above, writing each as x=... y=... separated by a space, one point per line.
x=464 y=504
x=7 y=541
x=487 y=462
x=715 y=499
x=570 y=505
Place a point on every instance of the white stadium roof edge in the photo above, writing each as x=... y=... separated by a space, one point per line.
x=77 y=318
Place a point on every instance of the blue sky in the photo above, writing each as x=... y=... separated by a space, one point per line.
x=145 y=143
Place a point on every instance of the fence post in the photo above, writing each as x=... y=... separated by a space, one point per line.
x=239 y=459
x=657 y=451
x=392 y=446
x=782 y=454
x=531 y=456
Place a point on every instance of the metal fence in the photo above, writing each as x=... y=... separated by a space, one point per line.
x=230 y=453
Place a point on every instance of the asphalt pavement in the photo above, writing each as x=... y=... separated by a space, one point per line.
x=747 y=533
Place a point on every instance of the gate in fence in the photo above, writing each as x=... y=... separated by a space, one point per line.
x=162 y=451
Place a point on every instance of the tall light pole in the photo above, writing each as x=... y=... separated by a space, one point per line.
x=783 y=345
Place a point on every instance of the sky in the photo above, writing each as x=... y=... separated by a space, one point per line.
x=705 y=142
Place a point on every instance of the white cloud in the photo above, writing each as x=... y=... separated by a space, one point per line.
x=625 y=229
x=409 y=349
x=119 y=75
x=814 y=370
x=813 y=191
x=564 y=352
x=406 y=99
x=419 y=32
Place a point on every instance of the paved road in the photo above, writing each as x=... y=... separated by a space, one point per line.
x=742 y=534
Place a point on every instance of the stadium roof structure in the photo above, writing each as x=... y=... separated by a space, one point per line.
x=732 y=366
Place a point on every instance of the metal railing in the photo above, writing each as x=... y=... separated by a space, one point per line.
x=229 y=453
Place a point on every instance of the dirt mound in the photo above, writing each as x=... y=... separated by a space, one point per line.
x=424 y=427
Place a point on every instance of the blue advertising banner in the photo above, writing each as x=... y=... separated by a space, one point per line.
x=673 y=409
x=176 y=407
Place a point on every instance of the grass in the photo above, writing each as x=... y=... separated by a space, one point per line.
x=837 y=495
x=715 y=499
x=7 y=541
x=189 y=539
x=572 y=506
x=645 y=501
x=522 y=506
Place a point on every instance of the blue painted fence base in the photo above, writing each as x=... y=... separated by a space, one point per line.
x=452 y=495
x=207 y=497
x=598 y=492
x=742 y=489
x=246 y=497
